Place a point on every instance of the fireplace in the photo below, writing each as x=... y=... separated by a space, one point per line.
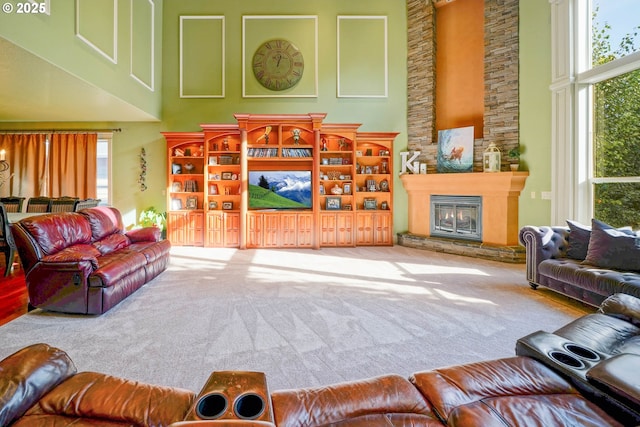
x=458 y=217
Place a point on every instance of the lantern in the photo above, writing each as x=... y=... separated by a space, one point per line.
x=491 y=158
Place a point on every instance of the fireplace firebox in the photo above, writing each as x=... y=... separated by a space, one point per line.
x=458 y=217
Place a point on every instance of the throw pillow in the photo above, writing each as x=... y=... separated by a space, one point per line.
x=613 y=248
x=578 y=239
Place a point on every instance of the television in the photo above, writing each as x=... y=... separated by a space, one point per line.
x=280 y=189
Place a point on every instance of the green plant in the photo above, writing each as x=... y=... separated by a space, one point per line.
x=514 y=153
x=150 y=217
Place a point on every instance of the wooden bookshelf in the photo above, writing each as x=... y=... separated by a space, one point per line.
x=208 y=187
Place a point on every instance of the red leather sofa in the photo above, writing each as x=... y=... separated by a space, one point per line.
x=85 y=262
x=540 y=386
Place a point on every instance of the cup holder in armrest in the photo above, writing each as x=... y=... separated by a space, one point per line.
x=211 y=406
x=582 y=352
x=249 y=406
x=566 y=359
x=233 y=396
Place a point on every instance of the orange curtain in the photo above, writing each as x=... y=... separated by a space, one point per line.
x=72 y=165
x=26 y=155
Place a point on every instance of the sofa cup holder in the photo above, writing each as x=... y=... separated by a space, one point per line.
x=566 y=359
x=211 y=406
x=582 y=352
x=249 y=406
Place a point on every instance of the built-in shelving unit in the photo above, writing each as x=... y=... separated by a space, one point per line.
x=225 y=184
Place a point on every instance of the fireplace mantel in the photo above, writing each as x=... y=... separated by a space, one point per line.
x=499 y=191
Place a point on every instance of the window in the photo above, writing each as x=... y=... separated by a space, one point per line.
x=103 y=168
x=614 y=110
x=596 y=111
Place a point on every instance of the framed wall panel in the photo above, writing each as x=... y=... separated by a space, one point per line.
x=301 y=31
x=202 y=56
x=97 y=26
x=362 y=62
x=142 y=64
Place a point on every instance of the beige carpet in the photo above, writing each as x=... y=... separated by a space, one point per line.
x=304 y=317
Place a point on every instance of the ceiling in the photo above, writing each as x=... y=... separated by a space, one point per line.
x=32 y=89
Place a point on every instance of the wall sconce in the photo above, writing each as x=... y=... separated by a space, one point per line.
x=491 y=158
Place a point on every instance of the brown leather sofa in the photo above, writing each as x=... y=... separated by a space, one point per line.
x=86 y=262
x=540 y=386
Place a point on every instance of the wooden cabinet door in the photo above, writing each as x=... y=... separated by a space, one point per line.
x=304 y=230
x=364 y=228
x=327 y=229
x=271 y=230
x=344 y=229
x=195 y=229
x=383 y=229
x=176 y=228
x=288 y=230
x=232 y=229
x=215 y=229
x=254 y=230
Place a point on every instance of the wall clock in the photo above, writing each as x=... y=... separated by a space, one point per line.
x=278 y=64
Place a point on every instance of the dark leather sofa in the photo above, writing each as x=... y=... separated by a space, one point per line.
x=554 y=260
x=554 y=380
x=85 y=262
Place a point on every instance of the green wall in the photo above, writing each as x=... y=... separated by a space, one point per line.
x=535 y=110
x=375 y=114
x=53 y=38
x=59 y=46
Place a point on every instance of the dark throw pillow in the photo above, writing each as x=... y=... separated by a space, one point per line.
x=578 y=239
x=612 y=248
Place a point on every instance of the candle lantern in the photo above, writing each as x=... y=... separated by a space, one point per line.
x=491 y=158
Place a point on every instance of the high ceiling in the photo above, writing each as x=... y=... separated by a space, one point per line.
x=32 y=89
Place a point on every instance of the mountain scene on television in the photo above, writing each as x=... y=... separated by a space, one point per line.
x=280 y=190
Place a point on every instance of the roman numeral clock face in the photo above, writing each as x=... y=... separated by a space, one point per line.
x=278 y=64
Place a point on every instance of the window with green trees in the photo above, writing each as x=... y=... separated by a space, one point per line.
x=615 y=117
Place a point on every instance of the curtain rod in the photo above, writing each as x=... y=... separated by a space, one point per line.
x=27 y=131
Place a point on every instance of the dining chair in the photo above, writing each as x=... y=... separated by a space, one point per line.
x=7 y=244
x=63 y=204
x=85 y=204
x=12 y=204
x=39 y=204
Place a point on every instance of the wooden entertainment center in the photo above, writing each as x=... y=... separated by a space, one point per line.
x=339 y=184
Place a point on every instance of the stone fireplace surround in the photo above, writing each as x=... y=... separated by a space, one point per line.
x=500 y=192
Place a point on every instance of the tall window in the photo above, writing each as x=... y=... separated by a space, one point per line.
x=608 y=87
x=103 y=168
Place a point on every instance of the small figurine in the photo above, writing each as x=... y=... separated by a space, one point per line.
x=265 y=135
x=296 y=136
x=324 y=145
x=225 y=144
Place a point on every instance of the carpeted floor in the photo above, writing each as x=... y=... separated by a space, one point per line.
x=304 y=317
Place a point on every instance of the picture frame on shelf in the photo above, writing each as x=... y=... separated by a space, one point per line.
x=192 y=202
x=213 y=189
x=347 y=207
x=213 y=205
x=176 y=204
x=322 y=193
x=358 y=153
x=213 y=160
x=370 y=204
x=227 y=205
x=176 y=186
x=346 y=188
x=227 y=175
x=333 y=203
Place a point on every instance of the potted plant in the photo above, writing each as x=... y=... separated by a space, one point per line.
x=514 y=157
x=150 y=217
